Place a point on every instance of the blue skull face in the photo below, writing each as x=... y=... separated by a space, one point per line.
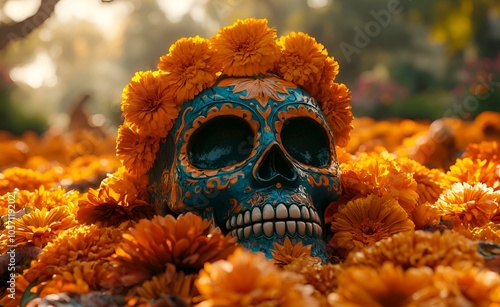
x=256 y=156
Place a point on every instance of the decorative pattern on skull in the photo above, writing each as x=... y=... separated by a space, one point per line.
x=257 y=156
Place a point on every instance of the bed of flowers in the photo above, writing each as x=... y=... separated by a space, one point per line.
x=417 y=223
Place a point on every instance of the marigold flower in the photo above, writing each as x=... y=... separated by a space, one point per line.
x=335 y=104
x=302 y=59
x=428 y=180
x=220 y=283
x=424 y=216
x=473 y=171
x=470 y=286
x=379 y=174
x=364 y=221
x=483 y=151
x=39 y=227
x=148 y=104
x=25 y=179
x=168 y=283
x=48 y=198
x=187 y=242
x=126 y=184
x=389 y=285
x=84 y=243
x=418 y=249
x=136 y=151
x=288 y=252
x=190 y=67
x=489 y=232
x=246 y=48
x=110 y=208
x=472 y=205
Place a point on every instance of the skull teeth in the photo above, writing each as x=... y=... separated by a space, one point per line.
x=273 y=213
x=270 y=221
x=279 y=229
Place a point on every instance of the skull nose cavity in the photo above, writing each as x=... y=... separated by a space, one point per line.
x=275 y=167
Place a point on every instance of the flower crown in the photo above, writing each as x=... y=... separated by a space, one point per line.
x=152 y=99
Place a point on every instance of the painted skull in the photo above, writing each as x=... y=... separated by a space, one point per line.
x=257 y=156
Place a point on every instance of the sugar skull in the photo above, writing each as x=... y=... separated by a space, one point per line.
x=256 y=155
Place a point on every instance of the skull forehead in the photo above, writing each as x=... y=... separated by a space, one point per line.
x=265 y=98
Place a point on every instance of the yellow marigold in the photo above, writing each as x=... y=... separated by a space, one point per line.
x=388 y=285
x=302 y=59
x=190 y=67
x=110 y=208
x=424 y=216
x=379 y=174
x=38 y=227
x=489 y=232
x=288 y=252
x=473 y=171
x=136 y=151
x=483 y=151
x=49 y=198
x=418 y=249
x=168 y=283
x=246 y=48
x=187 y=242
x=364 y=221
x=470 y=205
x=428 y=180
x=84 y=243
x=335 y=104
x=221 y=283
x=26 y=179
x=148 y=104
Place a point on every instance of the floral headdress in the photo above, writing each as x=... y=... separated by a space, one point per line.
x=152 y=100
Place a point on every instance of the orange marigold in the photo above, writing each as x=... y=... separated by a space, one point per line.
x=428 y=180
x=39 y=227
x=190 y=67
x=288 y=252
x=123 y=183
x=379 y=174
x=420 y=249
x=246 y=48
x=489 y=232
x=470 y=205
x=221 y=283
x=136 y=151
x=469 y=286
x=49 y=198
x=425 y=216
x=187 y=242
x=484 y=151
x=168 y=283
x=473 y=171
x=388 y=285
x=84 y=243
x=364 y=221
x=26 y=179
x=148 y=104
x=302 y=59
x=335 y=104
x=111 y=208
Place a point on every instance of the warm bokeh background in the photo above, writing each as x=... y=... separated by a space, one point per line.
x=421 y=59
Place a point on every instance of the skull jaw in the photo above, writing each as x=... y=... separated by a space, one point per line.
x=273 y=216
x=265 y=244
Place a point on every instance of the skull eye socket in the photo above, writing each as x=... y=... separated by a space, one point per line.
x=220 y=142
x=306 y=141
